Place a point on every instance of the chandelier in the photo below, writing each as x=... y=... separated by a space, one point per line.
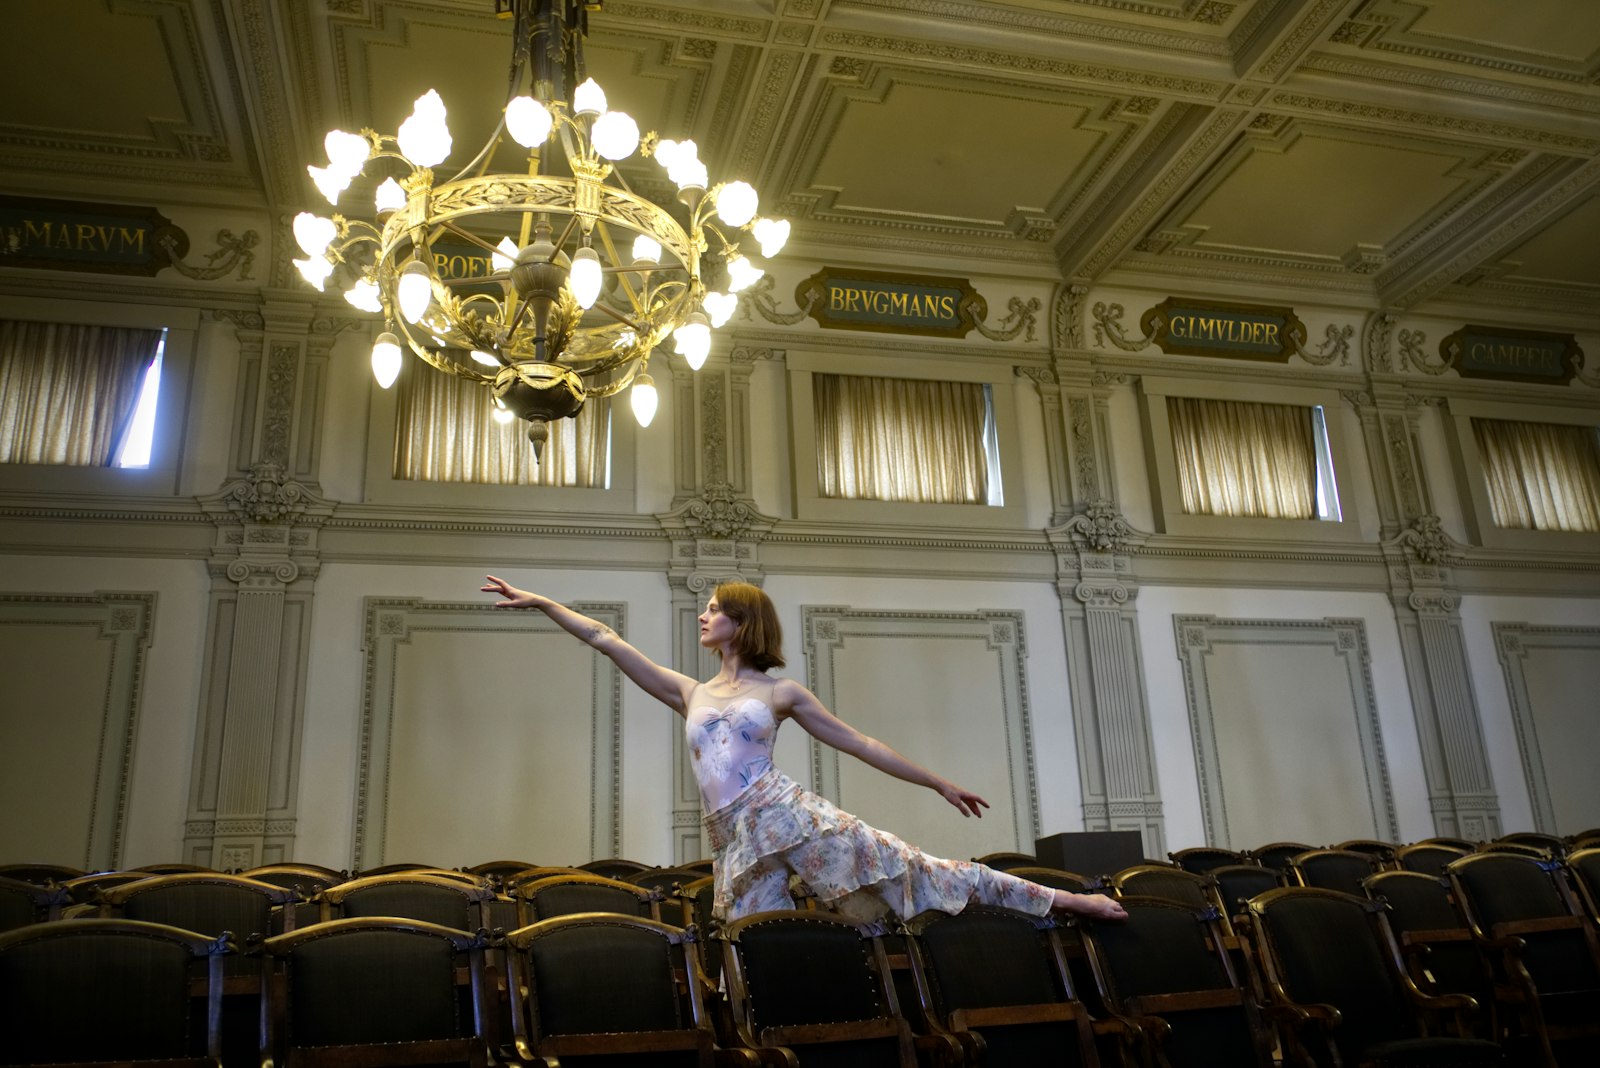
x=571 y=278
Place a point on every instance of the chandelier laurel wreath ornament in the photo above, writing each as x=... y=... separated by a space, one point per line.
x=585 y=277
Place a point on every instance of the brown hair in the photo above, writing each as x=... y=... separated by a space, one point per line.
x=759 y=637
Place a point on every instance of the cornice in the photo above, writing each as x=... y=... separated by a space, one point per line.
x=698 y=19
x=1035 y=24
x=1355 y=67
x=1409 y=119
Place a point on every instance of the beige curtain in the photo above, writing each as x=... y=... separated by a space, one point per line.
x=1541 y=476
x=1237 y=458
x=67 y=391
x=445 y=432
x=897 y=439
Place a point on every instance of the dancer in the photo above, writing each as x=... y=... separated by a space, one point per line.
x=762 y=825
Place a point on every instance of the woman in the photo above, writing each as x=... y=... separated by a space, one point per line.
x=761 y=824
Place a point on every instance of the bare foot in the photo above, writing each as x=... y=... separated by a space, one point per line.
x=1094 y=906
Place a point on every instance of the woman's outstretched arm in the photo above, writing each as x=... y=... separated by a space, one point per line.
x=665 y=685
x=801 y=704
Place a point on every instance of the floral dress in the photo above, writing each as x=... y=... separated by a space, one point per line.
x=762 y=826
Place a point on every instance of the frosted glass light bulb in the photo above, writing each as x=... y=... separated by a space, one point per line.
x=742 y=274
x=719 y=307
x=479 y=356
x=589 y=98
x=388 y=197
x=347 y=152
x=615 y=135
x=424 y=138
x=528 y=121
x=506 y=258
x=773 y=234
x=415 y=291
x=315 y=270
x=364 y=295
x=693 y=340
x=503 y=415
x=314 y=233
x=646 y=249
x=644 y=399
x=689 y=173
x=666 y=152
x=386 y=359
x=583 y=277
x=736 y=203
x=329 y=182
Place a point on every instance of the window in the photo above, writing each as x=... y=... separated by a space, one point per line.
x=1540 y=476
x=909 y=440
x=69 y=393
x=445 y=431
x=1252 y=460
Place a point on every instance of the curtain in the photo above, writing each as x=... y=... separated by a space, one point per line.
x=445 y=432
x=68 y=391
x=1237 y=458
x=1541 y=476
x=898 y=439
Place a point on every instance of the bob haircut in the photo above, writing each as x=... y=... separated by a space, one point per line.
x=759 y=637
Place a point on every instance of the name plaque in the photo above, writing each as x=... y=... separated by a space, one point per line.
x=1512 y=355
x=1216 y=328
x=69 y=235
x=840 y=299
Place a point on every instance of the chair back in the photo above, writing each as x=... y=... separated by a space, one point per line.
x=1552 y=844
x=108 y=990
x=1055 y=878
x=701 y=865
x=609 y=984
x=1428 y=858
x=1333 y=869
x=1423 y=915
x=613 y=867
x=421 y=896
x=1169 y=884
x=208 y=903
x=1201 y=860
x=1510 y=895
x=564 y=895
x=22 y=903
x=1382 y=853
x=1168 y=961
x=497 y=871
x=304 y=879
x=663 y=879
x=175 y=867
x=370 y=985
x=1584 y=864
x=1238 y=883
x=40 y=873
x=85 y=889
x=1278 y=854
x=1006 y=861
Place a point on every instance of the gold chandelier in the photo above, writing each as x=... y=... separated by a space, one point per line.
x=572 y=277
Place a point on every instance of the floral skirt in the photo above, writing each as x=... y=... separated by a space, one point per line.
x=776 y=827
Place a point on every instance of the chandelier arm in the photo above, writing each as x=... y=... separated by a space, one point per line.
x=634 y=300
x=560 y=242
x=471 y=238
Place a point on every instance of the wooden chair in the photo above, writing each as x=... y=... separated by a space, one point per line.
x=40 y=873
x=1522 y=911
x=563 y=895
x=1466 y=844
x=373 y=991
x=1168 y=963
x=1435 y=942
x=1382 y=853
x=1057 y=879
x=1552 y=844
x=663 y=880
x=815 y=984
x=1278 y=854
x=609 y=987
x=1238 y=883
x=1007 y=861
x=413 y=895
x=1334 y=869
x=23 y=903
x=176 y=868
x=1428 y=858
x=614 y=867
x=1200 y=860
x=1584 y=864
x=304 y=879
x=997 y=982
x=701 y=865
x=84 y=890
x=496 y=872
x=92 y=991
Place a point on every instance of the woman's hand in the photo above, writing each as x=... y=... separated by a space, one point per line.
x=968 y=802
x=514 y=598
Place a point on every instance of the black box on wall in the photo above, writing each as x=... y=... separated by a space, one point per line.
x=1091 y=852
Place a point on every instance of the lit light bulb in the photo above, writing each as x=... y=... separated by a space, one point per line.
x=503 y=415
x=693 y=340
x=736 y=203
x=347 y=152
x=364 y=295
x=589 y=98
x=528 y=121
x=719 y=306
x=388 y=197
x=615 y=135
x=646 y=249
x=479 y=356
x=314 y=270
x=666 y=152
x=742 y=274
x=506 y=258
x=314 y=233
x=583 y=277
x=415 y=291
x=424 y=138
x=386 y=359
x=773 y=234
x=329 y=182
x=644 y=399
x=689 y=173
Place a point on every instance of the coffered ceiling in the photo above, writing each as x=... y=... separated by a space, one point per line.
x=1384 y=153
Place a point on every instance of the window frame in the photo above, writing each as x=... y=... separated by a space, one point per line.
x=808 y=502
x=1166 y=496
x=1472 y=489
x=164 y=473
x=381 y=487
